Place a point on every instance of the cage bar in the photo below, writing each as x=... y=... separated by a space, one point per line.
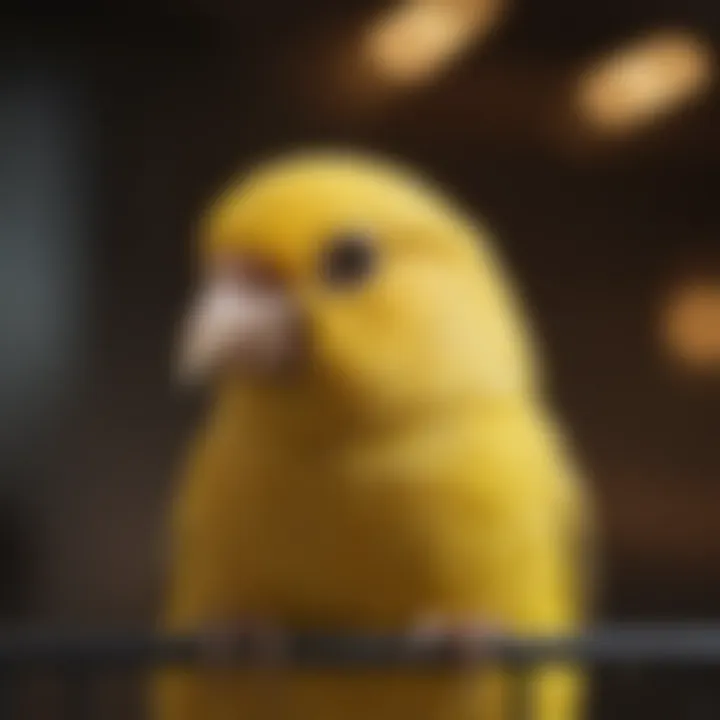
x=78 y=658
x=647 y=645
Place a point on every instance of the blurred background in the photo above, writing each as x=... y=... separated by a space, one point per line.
x=587 y=134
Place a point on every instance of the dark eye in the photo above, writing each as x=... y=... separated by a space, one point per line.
x=348 y=260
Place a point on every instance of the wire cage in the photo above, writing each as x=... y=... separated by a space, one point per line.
x=78 y=659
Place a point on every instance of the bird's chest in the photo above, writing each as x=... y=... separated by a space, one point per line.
x=375 y=539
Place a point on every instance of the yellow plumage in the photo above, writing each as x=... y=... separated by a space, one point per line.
x=410 y=469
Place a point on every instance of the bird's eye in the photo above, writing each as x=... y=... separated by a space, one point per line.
x=348 y=260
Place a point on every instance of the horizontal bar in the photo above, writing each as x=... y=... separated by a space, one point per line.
x=646 y=644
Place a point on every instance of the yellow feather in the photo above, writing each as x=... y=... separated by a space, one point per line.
x=414 y=469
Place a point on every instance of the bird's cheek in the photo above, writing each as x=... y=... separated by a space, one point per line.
x=337 y=348
x=355 y=357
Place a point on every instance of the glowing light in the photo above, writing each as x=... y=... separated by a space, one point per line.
x=646 y=80
x=691 y=324
x=416 y=40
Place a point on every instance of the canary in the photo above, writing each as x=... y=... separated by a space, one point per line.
x=379 y=455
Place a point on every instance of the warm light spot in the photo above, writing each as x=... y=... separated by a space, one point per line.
x=691 y=324
x=414 y=41
x=643 y=81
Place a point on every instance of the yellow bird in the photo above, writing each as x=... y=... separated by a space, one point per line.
x=378 y=456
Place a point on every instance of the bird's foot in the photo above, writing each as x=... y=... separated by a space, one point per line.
x=462 y=642
x=223 y=643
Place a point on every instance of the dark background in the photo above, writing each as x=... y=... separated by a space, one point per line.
x=116 y=127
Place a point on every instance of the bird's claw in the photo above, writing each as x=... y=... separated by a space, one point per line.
x=223 y=643
x=462 y=642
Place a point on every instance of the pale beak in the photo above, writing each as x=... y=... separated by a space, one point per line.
x=235 y=323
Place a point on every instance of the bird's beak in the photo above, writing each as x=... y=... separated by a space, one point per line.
x=237 y=323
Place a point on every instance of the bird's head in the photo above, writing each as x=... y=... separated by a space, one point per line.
x=349 y=275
